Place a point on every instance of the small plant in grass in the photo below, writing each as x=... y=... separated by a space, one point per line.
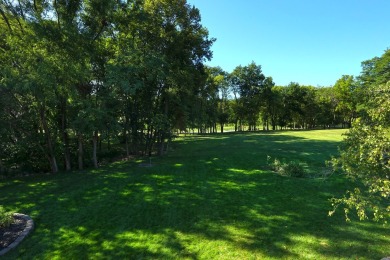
x=290 y=169
x=275 y=165
x=6 y=218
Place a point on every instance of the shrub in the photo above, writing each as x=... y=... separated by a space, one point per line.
x=6 y=218
x=294 y=169
x=276 y=165
x=290 y=169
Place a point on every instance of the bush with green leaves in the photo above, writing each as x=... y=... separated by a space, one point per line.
x=290 y=169
x=6 y=218
x=364 y=158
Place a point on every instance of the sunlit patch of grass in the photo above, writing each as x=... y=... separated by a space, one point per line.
x=212 y=198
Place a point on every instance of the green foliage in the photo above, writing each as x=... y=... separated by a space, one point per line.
x=290 y=169
x=364 y=157
x=345 y=91
x=376 y=71
x=294 y=169
x=76 y=75
x=6 y=218
x=248 y=83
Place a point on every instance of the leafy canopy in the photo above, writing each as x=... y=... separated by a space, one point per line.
x=365 y=155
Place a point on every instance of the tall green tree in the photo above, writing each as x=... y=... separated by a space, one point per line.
x=269 y=103
x=364 y=156
x=375 y=71
x=72 y=72
x=345 y=93
x=216 y=95
x=294 y=97
x=247 y=84
x=327 y=102
x=311 y=107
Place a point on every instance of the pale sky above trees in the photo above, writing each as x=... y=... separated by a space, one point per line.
x=304 y=41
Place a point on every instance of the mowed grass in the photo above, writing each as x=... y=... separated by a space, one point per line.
x=212 y=197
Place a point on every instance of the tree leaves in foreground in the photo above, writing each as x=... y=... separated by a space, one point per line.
x=365 y=158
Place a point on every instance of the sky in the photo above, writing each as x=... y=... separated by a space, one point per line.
x=311 y=42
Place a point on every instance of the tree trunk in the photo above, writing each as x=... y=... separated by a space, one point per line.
x=161 y=144
x=68 y=165
x=65 y=136
x=80 y=152
x=108 y=140
x=166 y=148
x=94 y=153
x=49 y=143
x=2 y=169
x=127 y=145
x=125 y=134
x=135 y=142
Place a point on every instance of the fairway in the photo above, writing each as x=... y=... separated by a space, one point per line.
x=210 y=197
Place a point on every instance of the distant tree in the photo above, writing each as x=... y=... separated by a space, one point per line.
x=311 y=109
x=215 y=96
x=326 y=101
x=219 y=87
x=345 y=94
x=276 y=108
x=248 y=85
x=294 y=100
x=268 y=103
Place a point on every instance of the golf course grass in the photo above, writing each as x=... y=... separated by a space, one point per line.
x=210 y=197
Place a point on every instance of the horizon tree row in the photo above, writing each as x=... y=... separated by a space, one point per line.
x=251 y=101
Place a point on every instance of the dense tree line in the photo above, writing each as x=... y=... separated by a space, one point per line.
x=78 y=73
x=81 y=78
x=251 y=101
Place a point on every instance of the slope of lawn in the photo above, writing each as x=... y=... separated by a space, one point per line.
x=211 y=197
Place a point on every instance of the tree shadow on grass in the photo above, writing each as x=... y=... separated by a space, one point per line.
x=215 y=204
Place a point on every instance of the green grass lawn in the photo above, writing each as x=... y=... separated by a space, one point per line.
x=212 y=197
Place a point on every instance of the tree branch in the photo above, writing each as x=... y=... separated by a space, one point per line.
x=98 y=34
x=35 y=6
x=58 y=15
x=15 y=13
x=21 y=10
x=5 y=19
